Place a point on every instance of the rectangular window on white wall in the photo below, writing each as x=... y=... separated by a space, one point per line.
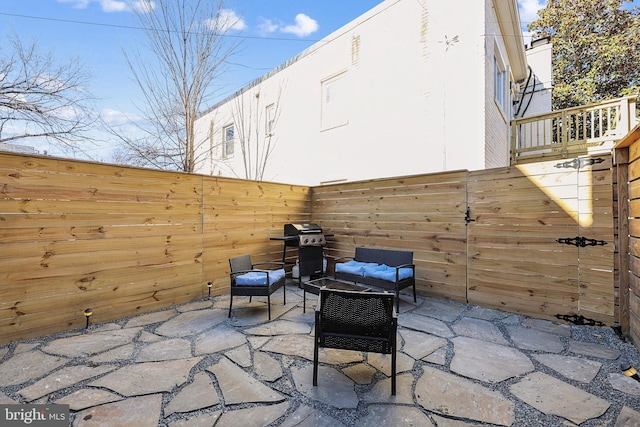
x=500 y=83
x=270 y=114
x=334 y=108
x=228 y=134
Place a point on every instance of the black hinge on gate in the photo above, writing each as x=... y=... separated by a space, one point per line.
x=579 y=163
x=579 y=320
x=580 y=241
x=467 y=216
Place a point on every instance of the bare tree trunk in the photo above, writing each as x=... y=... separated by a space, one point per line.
x=186 y=50
x=255 y=136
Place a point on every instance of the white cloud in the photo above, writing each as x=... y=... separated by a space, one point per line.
x=303 y=27
x=77 y=4
x=266 y=26
x=113 y=5
x=117 y=118
x=144 y=6
x=529 y=13
x=227 y=20
x=529 y=10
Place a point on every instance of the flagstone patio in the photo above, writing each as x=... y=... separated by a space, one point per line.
x=458 y=365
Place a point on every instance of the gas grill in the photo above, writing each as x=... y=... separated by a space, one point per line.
x=310 y=240
x=305 y=235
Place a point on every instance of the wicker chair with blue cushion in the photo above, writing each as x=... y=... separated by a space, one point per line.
x=361 y=321
x=248 y=280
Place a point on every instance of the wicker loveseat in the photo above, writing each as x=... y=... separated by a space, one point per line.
x=383 y=268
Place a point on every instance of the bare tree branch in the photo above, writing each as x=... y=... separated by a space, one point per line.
x=41 y=99
x=188 y=50
x=256 y=137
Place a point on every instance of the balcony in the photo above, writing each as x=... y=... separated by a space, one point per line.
x=573 y=132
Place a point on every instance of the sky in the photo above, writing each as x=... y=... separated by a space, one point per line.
x=97 y=32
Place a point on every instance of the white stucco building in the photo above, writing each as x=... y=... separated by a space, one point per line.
x=411 y=86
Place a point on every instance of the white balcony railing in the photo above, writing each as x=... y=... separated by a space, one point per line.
x=574 y=131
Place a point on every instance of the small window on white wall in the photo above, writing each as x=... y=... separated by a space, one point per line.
x=270 y=114
x=334 y=102
x=500 y=82
x=228 y=133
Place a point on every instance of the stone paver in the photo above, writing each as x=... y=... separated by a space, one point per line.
x=61 y=379
x=240 y=356
x=254 y=417
x=171 y=349
x=457 y=366
x=419 y=345
x=449 y=394
x=198 y=395
x=119 y=353
x=486 y=361
x=479 y=329
x=382 y=362
x=553 y=396
x=90 y=344
x=143 y=411
x=532 y=339
x=334 y=388
x=88 y=397
x=593 y=350
x=628 y=418
x=306 y=416
x=381 y=392
x=147 y=377
x=218 y=339
x=387 y=415
x=424 y=323
x=238 y=387
x=191 y=323
x=266 y=367
x=624 y=384
x=547 y=326
x=444 y=310
x=574 y=368
x=148 y=319
x=27 y=366
x=201 y=420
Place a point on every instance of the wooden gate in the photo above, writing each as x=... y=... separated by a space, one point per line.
x=540 y=238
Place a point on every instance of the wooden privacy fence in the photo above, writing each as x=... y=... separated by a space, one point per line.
x=124 y=241
x=491 y=237
x=628 y=172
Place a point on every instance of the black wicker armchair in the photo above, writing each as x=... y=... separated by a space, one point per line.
x=246 y=280
x=361 y=321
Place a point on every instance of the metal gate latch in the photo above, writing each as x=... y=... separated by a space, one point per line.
x=580 y=241
x=467 y=217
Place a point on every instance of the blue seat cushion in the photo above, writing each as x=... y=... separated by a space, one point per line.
x=354 y=267
x=259 y=277
x=386 y=272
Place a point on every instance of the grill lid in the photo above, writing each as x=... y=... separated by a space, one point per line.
x=297 y=229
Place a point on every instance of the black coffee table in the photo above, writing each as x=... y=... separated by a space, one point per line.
x=314 y=286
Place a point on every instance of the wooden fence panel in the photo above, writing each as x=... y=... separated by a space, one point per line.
x=424 y=214
x=633 y=290
x=122 y=241
x=514 y=260
x=240 y=217
x=595 y=192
